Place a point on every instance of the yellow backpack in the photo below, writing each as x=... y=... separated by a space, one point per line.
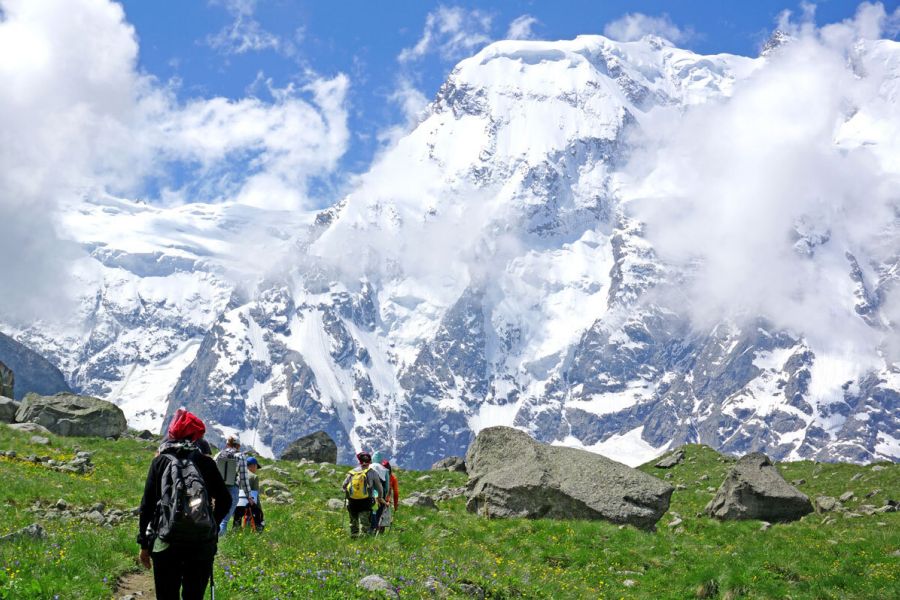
x=358 y=489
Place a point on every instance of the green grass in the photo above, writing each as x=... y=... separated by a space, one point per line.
x=306 y=552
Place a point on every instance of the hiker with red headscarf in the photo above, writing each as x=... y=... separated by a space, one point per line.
x=184 y=500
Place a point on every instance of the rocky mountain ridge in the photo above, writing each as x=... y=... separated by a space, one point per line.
x=485 y=271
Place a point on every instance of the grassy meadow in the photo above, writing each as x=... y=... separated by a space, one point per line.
x=306 y=551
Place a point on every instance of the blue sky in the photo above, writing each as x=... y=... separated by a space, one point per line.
x=230 y=47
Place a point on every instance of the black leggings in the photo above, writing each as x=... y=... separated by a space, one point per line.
x=185 y=570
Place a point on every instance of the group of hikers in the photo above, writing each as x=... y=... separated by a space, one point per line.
x=190 y=497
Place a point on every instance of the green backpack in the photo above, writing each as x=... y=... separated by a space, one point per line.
x=358 y=489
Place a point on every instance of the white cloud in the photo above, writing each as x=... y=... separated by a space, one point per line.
x=634 y=26
x=757 y=200
x=412 y=102
x=521 y=28
x=452 y=32
x=77 y=117
x=245 y=33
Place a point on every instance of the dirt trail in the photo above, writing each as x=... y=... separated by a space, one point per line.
x=136 y=586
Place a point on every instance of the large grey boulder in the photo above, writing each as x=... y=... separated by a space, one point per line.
x=73 y=415
x=317 y=447
x=754 y=489
x=455 y=464
x=512 y=475
x=8 y=409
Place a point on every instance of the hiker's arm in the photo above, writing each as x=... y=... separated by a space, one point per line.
x=148 y=504
x=215 y=486
x=375 y=482
x=346 y=483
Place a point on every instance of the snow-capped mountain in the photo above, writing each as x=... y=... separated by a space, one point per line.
x=487 y=270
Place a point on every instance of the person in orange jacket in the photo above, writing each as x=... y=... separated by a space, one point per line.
x=392 y=494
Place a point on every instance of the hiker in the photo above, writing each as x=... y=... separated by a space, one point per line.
x=233 y=469
x=363 y=490
x=245 y=510
x=392 y=497
x=181 y=550
x=384 y=476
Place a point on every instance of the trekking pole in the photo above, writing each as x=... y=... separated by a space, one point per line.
x=212 y=581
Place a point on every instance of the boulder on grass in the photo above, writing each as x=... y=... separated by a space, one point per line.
x=456 y=464
x=8 y=409
x=676 y=458
x=512 y=475
x=30 y=428
x=317 y=447
x=754 y=489
x=73 y=415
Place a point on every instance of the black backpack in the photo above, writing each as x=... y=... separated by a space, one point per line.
x=184 y=512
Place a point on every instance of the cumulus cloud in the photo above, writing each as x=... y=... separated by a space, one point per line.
x=763 y=198
x=245 y=33
x=634 y=26
x=77 y=117
x=412 y=103
x=451 y=32
x=521 y=28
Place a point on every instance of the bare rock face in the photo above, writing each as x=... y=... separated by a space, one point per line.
x=512 y=475
x=317 y=447
x=7 y=381
x=73 y=415
x=754 y=489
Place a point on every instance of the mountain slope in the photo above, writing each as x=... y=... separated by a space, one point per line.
x=486 y=271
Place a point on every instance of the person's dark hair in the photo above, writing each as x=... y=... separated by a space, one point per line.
x=364 y=458
x=203 y=446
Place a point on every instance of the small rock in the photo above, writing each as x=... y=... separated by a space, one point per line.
x=98 y=507
x=846 y=496
x=334 y=504
x=711 y=490
x=629 y=583
x=680 y=487
x=434 y=585
x=667 y=476
x=852 y=515
x=872 y=493
x=896 y=553
x=419 y=499
x=375 y=583
x=675 y=522
x=797 y=482
x=764 y=526
x=61 y=504
x=95 y=517
x=471 y=590
x=423 y=478
x=827 y=504
x=39 y=439
x=34 y=531
x=878 y=467
x=855 y=477
x=145 y=435
x=704 y=477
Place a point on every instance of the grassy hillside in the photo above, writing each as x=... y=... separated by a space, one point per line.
x=306 y=552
